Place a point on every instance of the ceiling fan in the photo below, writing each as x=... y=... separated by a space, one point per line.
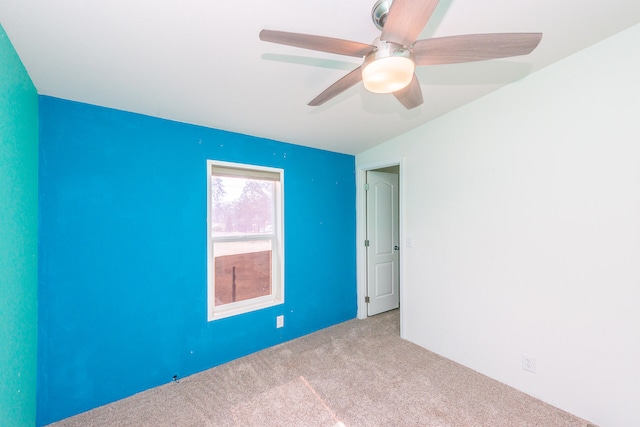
x=389 y=61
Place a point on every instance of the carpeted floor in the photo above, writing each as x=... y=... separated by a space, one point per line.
x=358 y=373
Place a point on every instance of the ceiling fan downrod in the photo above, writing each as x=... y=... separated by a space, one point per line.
x=379 y=12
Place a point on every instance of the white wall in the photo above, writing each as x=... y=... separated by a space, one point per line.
x=524 y=211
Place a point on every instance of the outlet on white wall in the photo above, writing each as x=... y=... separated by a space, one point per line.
x=528 y=363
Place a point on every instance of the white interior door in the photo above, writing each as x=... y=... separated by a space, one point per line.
x=383 y=273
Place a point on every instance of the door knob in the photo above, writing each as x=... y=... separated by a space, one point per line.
x=396 y=248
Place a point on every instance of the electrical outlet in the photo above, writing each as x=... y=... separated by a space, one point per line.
x=529 y=363
x=279 y=321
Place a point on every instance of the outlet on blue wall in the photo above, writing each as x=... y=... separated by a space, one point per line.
x=122 y=274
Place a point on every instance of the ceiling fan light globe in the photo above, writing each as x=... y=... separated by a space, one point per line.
x=389 y=74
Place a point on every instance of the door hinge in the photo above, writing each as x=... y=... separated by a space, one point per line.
x=366 y=300
x=366 y=243
x=366 y=187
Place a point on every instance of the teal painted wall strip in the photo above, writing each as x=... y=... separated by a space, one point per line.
x=18 y=239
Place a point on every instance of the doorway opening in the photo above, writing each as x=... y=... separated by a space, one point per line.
x=379 y=231
x=382 y=243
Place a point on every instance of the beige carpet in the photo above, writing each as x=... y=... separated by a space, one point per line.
x=358 y=373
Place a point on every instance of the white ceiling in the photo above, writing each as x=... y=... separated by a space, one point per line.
x=201 y=62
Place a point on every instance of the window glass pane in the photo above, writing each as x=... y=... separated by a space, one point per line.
x=241 y=205
x=242 y=270
x=246 y=247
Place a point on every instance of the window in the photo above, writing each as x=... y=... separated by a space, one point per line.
x=245 y=238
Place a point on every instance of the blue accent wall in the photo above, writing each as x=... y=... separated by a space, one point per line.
x=123 y=252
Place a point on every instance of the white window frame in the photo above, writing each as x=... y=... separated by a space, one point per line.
x=277 y=250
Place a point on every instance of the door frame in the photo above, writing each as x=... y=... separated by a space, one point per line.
x=361 y=232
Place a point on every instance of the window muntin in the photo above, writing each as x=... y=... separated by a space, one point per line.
x=245 y=238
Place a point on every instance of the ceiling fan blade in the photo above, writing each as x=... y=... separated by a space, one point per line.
x=338 y=87
x=411 y=95
x=323 y=44
x=474 y=47
x=406 y=20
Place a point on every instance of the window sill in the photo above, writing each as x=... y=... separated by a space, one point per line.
x=242 y=307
